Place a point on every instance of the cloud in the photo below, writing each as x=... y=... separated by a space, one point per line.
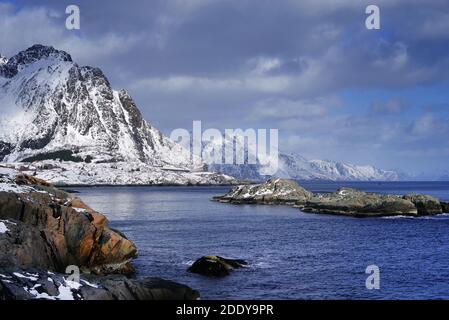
x=284 y=109
x=390 y=107
x=25 y=27
x=207 y=85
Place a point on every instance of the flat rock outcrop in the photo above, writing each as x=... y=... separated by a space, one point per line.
x=356 y=203
x=345 y=201
x=274 y=191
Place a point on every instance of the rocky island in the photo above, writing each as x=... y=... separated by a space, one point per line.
x=345 y=201
x=44 y=230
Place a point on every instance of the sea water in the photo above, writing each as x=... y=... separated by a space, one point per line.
x=291 y=254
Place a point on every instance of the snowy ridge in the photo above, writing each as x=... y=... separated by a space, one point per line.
x=297 y=167
x=118 y=173
x=53 y=109
x=294 y=166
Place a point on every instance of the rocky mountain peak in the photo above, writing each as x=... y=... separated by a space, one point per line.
x=56 y=107
x=31 y=55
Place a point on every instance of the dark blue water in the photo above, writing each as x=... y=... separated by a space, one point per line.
x=292 y=255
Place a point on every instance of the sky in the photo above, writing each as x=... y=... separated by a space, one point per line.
x=311 y=69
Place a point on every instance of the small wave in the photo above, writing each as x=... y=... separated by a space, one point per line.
x=188 y=262
x=399 y=217
x=439 y=216
x=260 y=265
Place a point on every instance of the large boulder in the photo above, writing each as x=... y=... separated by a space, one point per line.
x=51 y=229
x=215 y=266
x=351 y=202
x=274 y=191
x=426 y=205
x=44 y=285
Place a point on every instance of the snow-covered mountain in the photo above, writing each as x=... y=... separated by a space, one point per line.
x=298 y=167
x=294 y=166
x=53 y=109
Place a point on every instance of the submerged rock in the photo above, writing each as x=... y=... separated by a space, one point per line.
x=345 y=201
x=44 y=285
x=215 y=266
x=274 y=191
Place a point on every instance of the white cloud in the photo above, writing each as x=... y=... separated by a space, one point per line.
x=391 y=106
x=264 y=65
x=424 y=125
x=26 y=27
x=285 y=109
x=269 y=84
x=435 y=28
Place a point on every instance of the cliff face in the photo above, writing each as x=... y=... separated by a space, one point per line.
x=56 y=230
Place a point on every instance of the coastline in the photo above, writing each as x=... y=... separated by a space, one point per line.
x=342 y=182
x=65 y=186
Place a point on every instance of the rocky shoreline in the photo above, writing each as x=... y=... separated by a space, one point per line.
x=44 y=230
x=345 y=201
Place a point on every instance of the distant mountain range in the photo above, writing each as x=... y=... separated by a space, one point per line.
x=293 y=166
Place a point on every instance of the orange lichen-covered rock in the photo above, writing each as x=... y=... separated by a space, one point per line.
x=56 y=230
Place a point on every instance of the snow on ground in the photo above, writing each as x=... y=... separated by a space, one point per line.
x=29 y=276
x=3 y=228
x=65 y=290
x=4 y=171
x=10 y=187
x=119 y=173
x=34 y=285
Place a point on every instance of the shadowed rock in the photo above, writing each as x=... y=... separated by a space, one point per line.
x=444 y=207
x=34 y=284
x=274 y=191
x=215 y=266
x=426 y=205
